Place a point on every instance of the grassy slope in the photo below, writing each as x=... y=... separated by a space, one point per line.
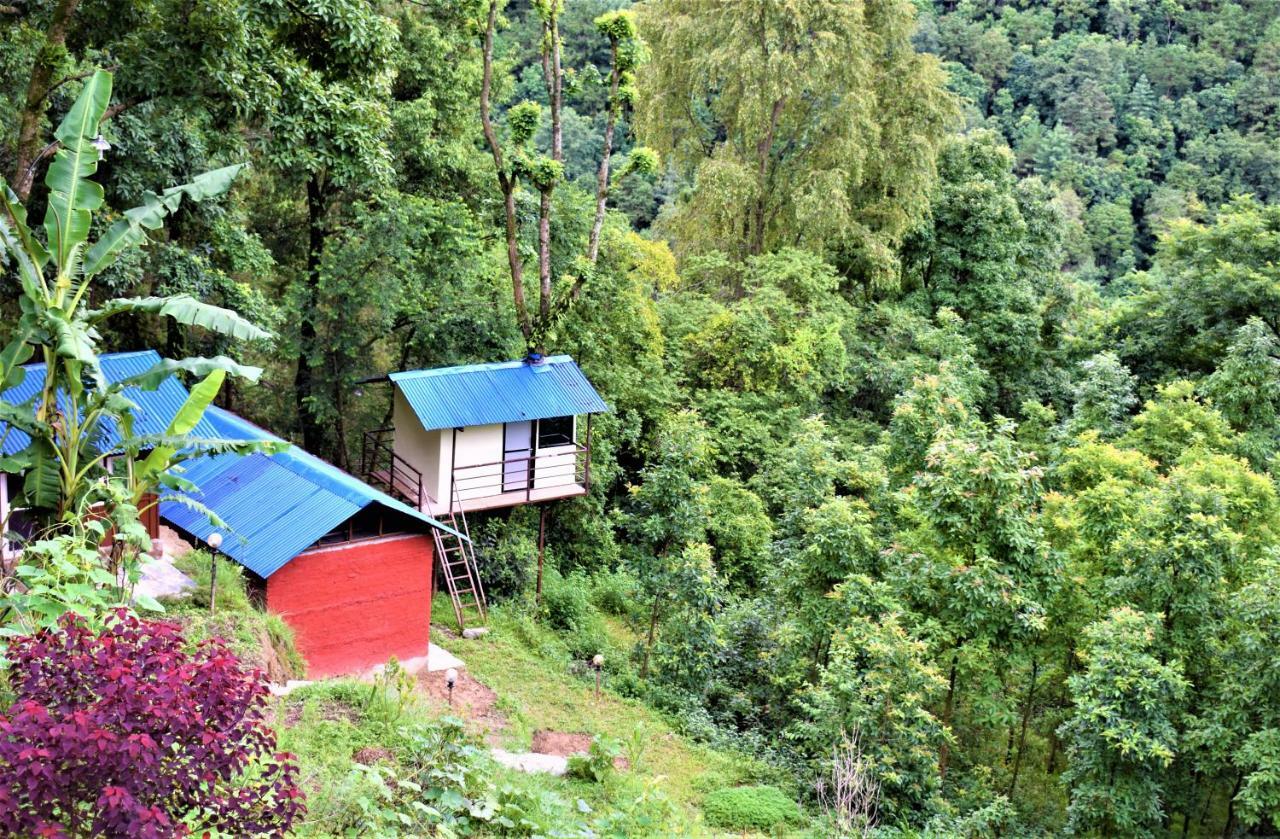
x=524 y=663
x=537 y=691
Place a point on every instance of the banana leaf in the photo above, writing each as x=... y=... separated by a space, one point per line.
x=187 y=310
x=26 y=252
x=75 y=339
x=196 y=507
x=72 y=196
x=16 y=353
x=42 y=486
x=150 y=379
x=131 y=229
x=23 y=418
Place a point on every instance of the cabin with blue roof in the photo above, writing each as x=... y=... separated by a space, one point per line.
x=485 y=436
x=348 y=567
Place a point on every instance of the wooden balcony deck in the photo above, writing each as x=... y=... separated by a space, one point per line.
x=506 y=499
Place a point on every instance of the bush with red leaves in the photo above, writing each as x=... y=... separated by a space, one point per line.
x=128 y=733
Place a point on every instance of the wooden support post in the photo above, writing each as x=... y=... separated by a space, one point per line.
x=542 y=549
x=586 y=469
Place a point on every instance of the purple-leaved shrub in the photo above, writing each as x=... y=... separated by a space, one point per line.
x=128 y=732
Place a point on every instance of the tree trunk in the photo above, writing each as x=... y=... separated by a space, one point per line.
x=542 y=549
x=1230 y=826
x=341 y=457
x=544 y=268
x=554 y=79
x=602 y=175
x=555 y=84
x=653 y=630
x=1026 y=718
x=948 y=706
x=28 y=151
x=505 y=183
x=304 y=378
x=763 y=148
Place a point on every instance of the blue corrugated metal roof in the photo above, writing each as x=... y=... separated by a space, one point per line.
x=155 y=408
x=275 y=505
x=511 y=391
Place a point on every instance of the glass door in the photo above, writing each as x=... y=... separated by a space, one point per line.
x=517 y=456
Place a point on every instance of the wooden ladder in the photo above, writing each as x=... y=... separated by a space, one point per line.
x=458 y=562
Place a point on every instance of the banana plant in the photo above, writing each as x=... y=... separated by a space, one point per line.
x=78 y=421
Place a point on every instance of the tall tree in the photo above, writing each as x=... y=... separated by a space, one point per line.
x=812 y=123
x=517 y=161
x=1121 y=733
x=200 y=59
x=328 y=139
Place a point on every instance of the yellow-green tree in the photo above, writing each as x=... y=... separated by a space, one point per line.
x=814 y=123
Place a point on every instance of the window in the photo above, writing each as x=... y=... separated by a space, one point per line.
x=556 y=431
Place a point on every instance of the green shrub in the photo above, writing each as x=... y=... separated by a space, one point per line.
x=587 y=640
x=261 y=639
x=597 y=764
x=614 y=592
x=564 y=600
x=506 y=554
x=750 y=808
x=231 y=595
x=280 y=636
x=531 y=634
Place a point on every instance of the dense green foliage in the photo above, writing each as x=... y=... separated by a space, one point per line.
x=750 y=808
x=941 y=343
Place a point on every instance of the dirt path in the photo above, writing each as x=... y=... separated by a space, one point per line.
x=472 y=700
x=476 y=703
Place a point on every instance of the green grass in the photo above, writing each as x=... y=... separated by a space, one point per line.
x=261 y=639
x=539 y=686
x=525 y=664
x=333 y=726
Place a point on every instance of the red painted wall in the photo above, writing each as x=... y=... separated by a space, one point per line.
x=355 y=605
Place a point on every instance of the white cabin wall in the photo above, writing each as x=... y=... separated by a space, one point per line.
x=417 y=446
x=478 y=445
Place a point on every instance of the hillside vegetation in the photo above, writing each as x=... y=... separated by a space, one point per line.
x=937 y=496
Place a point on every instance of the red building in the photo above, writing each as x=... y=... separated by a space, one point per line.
x=353 y=604
x=349 y=568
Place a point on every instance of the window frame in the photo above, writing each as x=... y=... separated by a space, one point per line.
x=558 y=438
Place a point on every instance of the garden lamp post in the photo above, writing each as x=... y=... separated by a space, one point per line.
x=450 y=679
x=214 y=541
x=597 y=661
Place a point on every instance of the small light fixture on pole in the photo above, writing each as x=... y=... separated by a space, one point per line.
x=100 y=143
x=450 y=679
x=214 y=541
x=597 y=661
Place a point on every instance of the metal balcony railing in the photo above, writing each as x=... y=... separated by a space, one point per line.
x=564 y=470
x=384 y=469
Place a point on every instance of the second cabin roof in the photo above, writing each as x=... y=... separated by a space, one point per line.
x=509 y=391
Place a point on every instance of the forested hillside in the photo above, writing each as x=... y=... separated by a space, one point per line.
x=940 y=342
x=1138 y=113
